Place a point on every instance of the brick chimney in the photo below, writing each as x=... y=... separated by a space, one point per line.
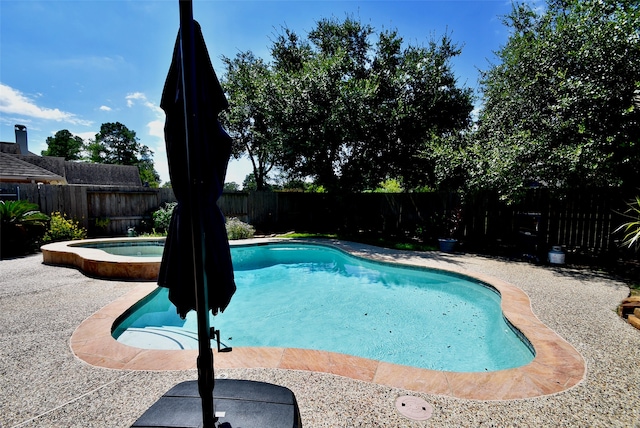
x=21 y=139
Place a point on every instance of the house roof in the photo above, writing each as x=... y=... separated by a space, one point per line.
x=14 y=170
x=16 y=167
x=101 y=174
x=11 y=148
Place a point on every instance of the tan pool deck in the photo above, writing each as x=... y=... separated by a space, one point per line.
x=557 y=366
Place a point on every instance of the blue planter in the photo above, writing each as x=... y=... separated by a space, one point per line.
x=447 y=245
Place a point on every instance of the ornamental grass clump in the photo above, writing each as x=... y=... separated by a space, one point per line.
x=62 y=228
x=631 y=228
x=236 y=229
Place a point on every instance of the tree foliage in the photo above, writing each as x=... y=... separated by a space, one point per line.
x=248 y=83
x=64 y=144
x=116 y=144
x=562 y=107
x=346 y=112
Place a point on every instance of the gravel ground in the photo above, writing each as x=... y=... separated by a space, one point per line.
x=42 y=384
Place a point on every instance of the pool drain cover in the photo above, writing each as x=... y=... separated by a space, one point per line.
x=414 y=408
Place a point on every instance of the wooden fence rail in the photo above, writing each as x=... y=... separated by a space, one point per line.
x=580 y=222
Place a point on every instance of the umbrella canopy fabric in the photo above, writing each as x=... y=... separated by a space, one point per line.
x=212 y=149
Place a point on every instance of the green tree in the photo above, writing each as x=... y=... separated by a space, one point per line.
x=148 y=173
x=247 y=83
x=322 y=108
x=428 y=108
x=561 y=107
x=231 y=186
x=64 y=144
x=116 y=144
x=249 y=183
x=348 y=113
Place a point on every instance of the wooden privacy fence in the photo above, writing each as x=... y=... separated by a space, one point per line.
x=102 y=210
x=581 y=222
x=109 y=210
x=385 y=213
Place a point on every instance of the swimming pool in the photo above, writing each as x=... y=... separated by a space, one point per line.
x=316 y=297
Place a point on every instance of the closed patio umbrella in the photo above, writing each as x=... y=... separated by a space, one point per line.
x=196 y=264
x=197 y=167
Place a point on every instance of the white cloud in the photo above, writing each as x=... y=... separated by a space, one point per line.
x=86 y=136
x=156 y=128
x=135 y=96
x=14 y=102
x=142 y=98
x=105 y=108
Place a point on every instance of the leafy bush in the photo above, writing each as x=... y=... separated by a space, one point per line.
x=237 y=229
x=21 y=212
x=62 y=228
x=389 y=186
x=162 y=217
x=21 y=227
x=631 y=228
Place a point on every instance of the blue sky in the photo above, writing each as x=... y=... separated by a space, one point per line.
x=77 y=64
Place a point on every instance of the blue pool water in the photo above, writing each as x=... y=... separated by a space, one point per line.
x=316 y=297
x=142 y=248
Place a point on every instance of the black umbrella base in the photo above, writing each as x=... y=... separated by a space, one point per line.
x=238 y=404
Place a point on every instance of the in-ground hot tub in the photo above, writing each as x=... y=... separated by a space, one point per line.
x=136 y=259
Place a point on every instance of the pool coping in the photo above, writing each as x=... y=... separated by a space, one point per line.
x=557 y=365
x=100 y=264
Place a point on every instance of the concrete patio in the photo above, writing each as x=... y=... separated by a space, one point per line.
x=44 y=385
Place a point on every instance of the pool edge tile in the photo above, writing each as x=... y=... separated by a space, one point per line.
x=245 y=357
x=329 y=362
x=412 y=378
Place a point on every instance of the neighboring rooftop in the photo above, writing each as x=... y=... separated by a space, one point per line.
x=15 y=170
x=18 y=165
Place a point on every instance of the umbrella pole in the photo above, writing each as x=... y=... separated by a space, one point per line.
x=194 y=173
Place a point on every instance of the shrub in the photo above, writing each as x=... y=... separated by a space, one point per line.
x=631 y=228
x=237 y=229
x=162 y=217
x=389 y=186
x=21 y=212
x=62 y=228
x=21 y=227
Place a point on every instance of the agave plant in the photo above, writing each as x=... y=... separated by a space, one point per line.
x=21 y=227
x=631 y=228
